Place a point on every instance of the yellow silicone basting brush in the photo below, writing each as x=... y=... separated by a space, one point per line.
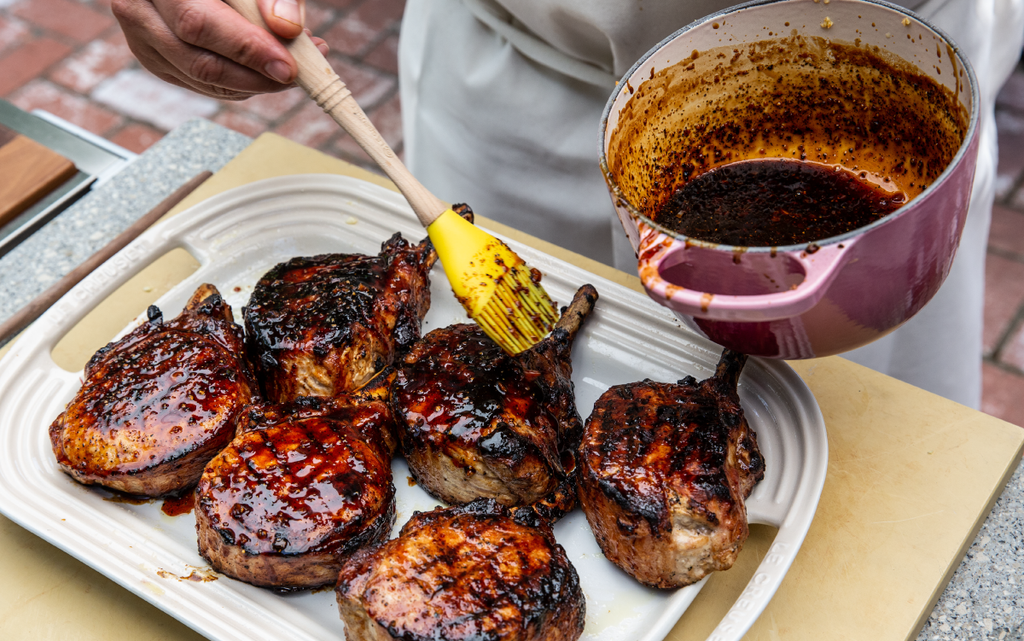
x=494 y=285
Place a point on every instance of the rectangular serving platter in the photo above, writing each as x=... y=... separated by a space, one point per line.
x=236 y=237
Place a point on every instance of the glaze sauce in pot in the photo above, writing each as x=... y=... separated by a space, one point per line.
x=787 y=100
x=774 y=202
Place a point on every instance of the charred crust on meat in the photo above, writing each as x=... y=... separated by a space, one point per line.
x=470 y=572
x=303 y=485
x=481 y=506
x=465 y=211
x=503 y=443
x=158 y=403
x=99 y=356
x=323 y=325
x=474 y=421
x=647 y=508
x=211 y=304
x=665 y=469
x=529 y=516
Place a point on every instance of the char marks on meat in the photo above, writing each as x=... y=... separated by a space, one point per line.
x=460 y=574
x=323 y=325
x=301 y=487
x=159 y=403
x=665 y=471
x=475 y=422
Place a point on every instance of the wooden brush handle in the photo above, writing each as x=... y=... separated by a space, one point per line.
x=318 y=80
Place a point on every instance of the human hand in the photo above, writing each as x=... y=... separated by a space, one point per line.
x=206 y=46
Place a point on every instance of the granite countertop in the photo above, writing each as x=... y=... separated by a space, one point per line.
x=88 y=225
x=984 y=600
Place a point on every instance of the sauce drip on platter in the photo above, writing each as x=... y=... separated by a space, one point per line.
x=774 y=202
x=178 y=505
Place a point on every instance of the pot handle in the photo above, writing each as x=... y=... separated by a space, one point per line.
x=820 y=267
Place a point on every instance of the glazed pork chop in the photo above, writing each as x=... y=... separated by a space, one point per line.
x=665 y=471
x=460 y=574
x=301 y=487
x=159 y=403
x=323 y=325
x=475 y=422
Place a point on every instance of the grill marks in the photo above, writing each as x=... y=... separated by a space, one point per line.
x=302 y=486
x=324 y=325
x=160 y=386
x=304 y=475
x=469 y=572
x=304 y=492
x=475 y=422
x=299 y=489
x=661 y=437
x=666 y=470
x=308 y=478
x=478 y=397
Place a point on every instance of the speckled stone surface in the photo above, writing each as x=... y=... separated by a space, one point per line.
x=92 y=222
x=983 y=602
x=985 y=599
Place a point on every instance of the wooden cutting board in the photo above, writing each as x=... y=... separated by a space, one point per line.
x=911 y=477
x=29 y=171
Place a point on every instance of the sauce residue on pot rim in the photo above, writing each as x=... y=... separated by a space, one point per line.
x=797 y=98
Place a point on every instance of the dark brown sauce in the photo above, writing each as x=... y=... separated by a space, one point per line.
x=795 y=98
x=773 y=202
x=128 y=499
x=176 y=506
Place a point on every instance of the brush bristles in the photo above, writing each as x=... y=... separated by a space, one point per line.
x=519 y=313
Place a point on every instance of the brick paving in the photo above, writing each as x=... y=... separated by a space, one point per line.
x=69 y=57
x=1003 y=366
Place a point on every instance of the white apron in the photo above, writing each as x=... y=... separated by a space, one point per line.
x=501 y=105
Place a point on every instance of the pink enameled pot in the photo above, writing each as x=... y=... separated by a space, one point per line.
x=798 y=79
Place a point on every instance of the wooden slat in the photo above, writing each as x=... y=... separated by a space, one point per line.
x=28 y=171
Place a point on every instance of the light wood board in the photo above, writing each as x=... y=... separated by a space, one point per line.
x=911 y=477
x=29 y=171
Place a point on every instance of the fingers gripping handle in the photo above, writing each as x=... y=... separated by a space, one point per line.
x=322 y=84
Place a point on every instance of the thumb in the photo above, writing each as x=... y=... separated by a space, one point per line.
x=284 y=17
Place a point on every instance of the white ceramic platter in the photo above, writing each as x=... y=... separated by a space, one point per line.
x=239 y=235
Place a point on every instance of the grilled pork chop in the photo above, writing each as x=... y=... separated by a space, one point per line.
x=664 y=474
x=475 y=422
x=302 y=486
x=322 y=325
x=159 y=403
x=463 y=573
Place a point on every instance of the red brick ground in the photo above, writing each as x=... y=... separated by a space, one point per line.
x=1004 y=279
x=69 y=57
